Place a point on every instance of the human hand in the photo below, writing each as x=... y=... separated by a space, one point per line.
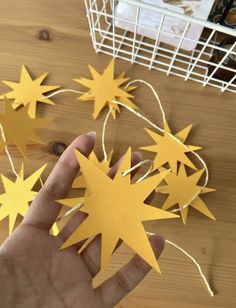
x=34 y=273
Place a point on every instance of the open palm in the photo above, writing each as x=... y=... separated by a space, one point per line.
x=34 y=273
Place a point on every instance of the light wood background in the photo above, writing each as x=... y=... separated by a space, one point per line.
x=66 y=56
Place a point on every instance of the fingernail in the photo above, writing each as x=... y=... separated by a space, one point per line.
x=139 y=155
x=92 y=134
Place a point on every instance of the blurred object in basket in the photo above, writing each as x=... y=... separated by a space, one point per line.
x=224 y=13
x=146 y=22
x=229 y=62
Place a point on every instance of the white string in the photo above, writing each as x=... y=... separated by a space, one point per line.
x=193 y=260
x=139 y=115
x=128 y=171
x=144 y=162
x=61 y=91
x=7 y=152
x=154 y=93
x=103 y=135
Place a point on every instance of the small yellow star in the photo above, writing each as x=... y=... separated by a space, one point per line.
x=169 y=150
x=181 y=190
x=17 y=195
x=29 y=91
x=105 y=88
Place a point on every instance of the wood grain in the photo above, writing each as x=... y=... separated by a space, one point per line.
x=64 y=50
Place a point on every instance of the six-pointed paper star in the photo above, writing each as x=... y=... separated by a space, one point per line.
x=17 y=195
x=182 y=189
x=116 y=210
x=169 y=150
x=104 y=165
x=29 y=91
x=18 y=127
x=105 y=88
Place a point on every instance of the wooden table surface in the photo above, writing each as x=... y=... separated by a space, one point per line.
x=66 y=56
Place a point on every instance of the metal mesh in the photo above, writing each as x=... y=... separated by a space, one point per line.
x=203 y=60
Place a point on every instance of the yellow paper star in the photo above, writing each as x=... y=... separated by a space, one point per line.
x=17 y=195
x=181 y=189
x=104 y=165
x=105 y=88
x=169 y=150
x=29 y=91
x=19 y=128
x=116 y=210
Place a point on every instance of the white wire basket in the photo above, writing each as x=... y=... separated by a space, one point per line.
x=204 y=59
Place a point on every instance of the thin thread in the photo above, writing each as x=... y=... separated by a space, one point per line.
x=193 y=260
x=7 y=152
x=69 y=212
x=128 y=171
x=154 y=93
x=41 y=181
x=103 y=135
x=144 y=162
x=61 y=91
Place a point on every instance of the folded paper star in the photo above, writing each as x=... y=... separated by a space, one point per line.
x=17 y=195
x=169 y=150
x=104 y=165
x=105 y=88
x=182 y=189
x=19 y=128
x=116 y=210
x=29 y=91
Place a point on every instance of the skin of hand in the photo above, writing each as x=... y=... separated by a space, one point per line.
x=33 y=273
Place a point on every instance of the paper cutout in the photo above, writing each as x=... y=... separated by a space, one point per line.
x=181 y=189
x=104 y=165
x=29 y=91
x=18 y=127
x=18 y=194
x=105 y=88
x=170 y=150
x=116 y=209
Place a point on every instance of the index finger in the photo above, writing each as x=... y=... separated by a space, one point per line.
x=44 y=210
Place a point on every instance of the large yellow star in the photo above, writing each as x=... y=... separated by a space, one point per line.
x=17 y=195
x=29 y=91
x=169 y=150
x=105 y=88
x=116 y=210
x=181 y=190
x=19 y=127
